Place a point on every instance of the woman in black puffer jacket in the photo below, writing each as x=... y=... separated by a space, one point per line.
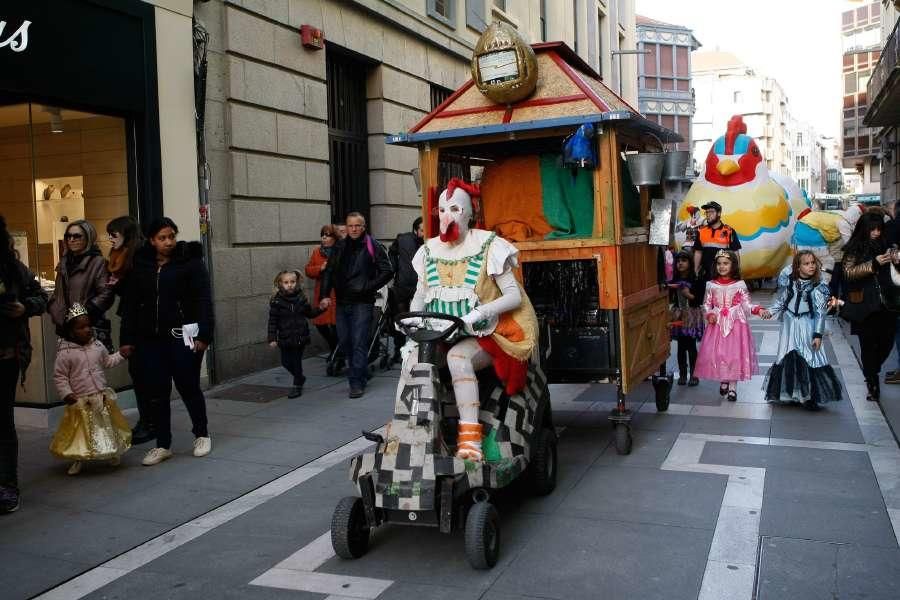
x=289 y=314
x=169 y=321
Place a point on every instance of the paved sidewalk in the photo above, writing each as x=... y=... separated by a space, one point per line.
x=716 y=500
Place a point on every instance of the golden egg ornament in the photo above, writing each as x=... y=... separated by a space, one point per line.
x=504 y=66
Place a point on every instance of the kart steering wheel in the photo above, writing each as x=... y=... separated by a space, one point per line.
x=428 y=336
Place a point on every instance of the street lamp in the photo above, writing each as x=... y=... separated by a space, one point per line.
x=619 y=53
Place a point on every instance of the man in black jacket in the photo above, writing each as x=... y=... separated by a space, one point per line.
x=358 y=268
x=405 y=280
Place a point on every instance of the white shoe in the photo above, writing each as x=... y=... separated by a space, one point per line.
x=156 y=456
x=202 y=446
x=74 y=468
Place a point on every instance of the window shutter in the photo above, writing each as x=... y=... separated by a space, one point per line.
x=475 y=15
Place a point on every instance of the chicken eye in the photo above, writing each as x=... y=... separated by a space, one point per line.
x=755 y=151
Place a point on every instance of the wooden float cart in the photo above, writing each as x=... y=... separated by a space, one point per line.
x=628 y=338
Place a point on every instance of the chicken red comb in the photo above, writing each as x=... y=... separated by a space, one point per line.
x=736 y=126
x=470 y=188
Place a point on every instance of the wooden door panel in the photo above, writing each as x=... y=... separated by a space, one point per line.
x=645 y=340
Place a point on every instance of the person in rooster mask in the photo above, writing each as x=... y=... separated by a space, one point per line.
x=468 y=273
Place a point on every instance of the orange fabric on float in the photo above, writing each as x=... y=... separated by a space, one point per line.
x=514 y=208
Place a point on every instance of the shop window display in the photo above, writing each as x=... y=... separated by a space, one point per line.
x=58 y=166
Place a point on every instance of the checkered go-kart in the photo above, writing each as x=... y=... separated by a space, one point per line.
x=413 y=478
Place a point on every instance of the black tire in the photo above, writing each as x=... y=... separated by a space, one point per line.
x=482 y=535
x=663 y=392
x=542 y=468
x=623 y=439
x=349 y=530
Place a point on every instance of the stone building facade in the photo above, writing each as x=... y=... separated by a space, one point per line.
x=295 y=136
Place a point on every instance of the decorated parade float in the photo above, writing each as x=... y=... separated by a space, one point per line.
x=567 y=173
x=567 y=170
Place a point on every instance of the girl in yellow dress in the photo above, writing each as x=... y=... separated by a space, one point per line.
x=93 y=427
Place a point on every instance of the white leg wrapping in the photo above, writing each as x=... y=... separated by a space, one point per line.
x=463 y=359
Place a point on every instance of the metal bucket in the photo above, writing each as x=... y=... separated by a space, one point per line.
x=676 y=164
x=646 y=167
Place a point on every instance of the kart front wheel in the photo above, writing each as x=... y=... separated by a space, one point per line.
x=482 y=535
x=349 y=530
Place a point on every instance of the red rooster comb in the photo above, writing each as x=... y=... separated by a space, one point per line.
x=736 y=126
x=472 y=189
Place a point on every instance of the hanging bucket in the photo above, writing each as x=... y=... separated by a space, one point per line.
x=646 y=167
x=676 y=164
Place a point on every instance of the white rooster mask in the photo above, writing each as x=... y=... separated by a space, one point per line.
x=455 y=210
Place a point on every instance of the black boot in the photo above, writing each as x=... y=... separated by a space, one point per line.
x=874 y=394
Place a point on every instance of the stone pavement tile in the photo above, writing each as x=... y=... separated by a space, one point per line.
x=164 y=504
x=783 y=457
x=25 y=575
x=832 y=410
x=796 y=569
x=96 y=482
x=181 y=421
x=826 y=521
x=165 y=586
x=74 y=535
x=575 y=559
x=212 y=473
x=825 y=429
x=278 y=452
x=868 y=572
x=647 y=496
x=425 y=556
x=658 y=422
x=406 y=591
x=649 y=449
x=812 y=488
x=726 y=426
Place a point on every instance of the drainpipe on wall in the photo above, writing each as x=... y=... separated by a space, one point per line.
x=201 y=41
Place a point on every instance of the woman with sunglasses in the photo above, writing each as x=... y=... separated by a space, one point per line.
x=81 y=276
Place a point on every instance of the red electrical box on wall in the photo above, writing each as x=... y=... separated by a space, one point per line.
x=312 y=37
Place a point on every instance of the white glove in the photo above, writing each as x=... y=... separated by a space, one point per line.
x=475 y=316
x=415 y=322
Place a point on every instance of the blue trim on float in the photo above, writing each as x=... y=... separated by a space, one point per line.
x=613 y=115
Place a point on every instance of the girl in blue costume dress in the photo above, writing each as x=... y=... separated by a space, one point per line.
x=686 y=293
x=801 y=372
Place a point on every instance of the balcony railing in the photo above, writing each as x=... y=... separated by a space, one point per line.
x=883 y=90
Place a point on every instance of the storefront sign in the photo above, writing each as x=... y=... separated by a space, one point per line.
x=18 y=40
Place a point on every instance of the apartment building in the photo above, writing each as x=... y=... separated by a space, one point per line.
x=295 y=133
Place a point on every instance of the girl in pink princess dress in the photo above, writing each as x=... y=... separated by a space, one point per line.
x=728 y=352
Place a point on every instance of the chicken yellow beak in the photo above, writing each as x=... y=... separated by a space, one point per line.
x=727 y=167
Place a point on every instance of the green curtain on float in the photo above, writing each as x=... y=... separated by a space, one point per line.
x=568 y=199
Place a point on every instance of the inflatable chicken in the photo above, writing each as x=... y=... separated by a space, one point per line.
x=825 y=232
x=761 y=206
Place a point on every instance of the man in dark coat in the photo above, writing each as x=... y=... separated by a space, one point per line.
x=356 y=271
x=405 y=279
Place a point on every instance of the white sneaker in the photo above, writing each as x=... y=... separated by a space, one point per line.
x=156 y=456
x=74 y=468
x=202 y=446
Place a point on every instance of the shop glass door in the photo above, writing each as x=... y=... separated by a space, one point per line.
x=58 y=166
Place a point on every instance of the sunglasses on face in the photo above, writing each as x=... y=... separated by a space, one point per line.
x=73 y=236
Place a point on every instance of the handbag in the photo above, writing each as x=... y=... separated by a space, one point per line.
x=860 y=303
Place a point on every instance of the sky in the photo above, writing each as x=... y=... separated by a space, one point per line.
x=797 y=42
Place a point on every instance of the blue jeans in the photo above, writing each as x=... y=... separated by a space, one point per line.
x=353 y=324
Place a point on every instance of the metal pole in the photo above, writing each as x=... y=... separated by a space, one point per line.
x=619 y=53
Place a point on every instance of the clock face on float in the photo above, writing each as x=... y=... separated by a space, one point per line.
x=498 y=67
x=504 y=66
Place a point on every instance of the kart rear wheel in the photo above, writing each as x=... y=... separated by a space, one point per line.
x=482 y=535
x=349 y=530
x=542 y=468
